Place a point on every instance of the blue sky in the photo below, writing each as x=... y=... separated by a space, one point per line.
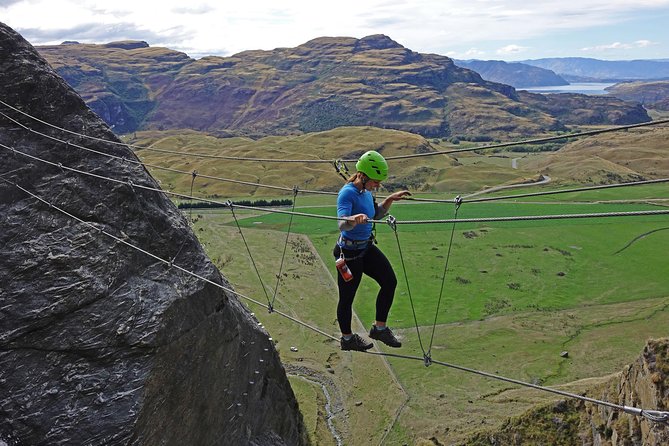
x=463 y=29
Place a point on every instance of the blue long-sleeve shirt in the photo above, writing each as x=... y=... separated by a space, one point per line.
x=352 y=201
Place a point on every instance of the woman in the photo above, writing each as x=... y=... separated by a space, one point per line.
x=355 y=206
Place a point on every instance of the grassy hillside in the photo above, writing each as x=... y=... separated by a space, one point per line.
x=634 y=154
x=607 y=158
x=119 y=81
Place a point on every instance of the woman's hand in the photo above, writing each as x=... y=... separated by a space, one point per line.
x=400 y=195
x=357 y=219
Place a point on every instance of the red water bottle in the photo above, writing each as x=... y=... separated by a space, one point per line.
x=345 y=272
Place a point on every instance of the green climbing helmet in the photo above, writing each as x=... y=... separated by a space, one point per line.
x=373 y=165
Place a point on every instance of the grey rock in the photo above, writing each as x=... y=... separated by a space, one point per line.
x=101 y=344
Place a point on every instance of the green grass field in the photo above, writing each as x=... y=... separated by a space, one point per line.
x=502 y=267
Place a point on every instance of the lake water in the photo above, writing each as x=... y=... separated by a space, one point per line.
x=593 y=88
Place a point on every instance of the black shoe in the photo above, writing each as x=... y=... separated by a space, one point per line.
x=386 y=336
x=356 y=343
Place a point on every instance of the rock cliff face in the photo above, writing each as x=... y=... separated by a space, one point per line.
x=651 y=94
x=643 y=384
x=101 y=344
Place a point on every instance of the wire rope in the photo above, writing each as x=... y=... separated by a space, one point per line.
x=458 y=202
x=248 y=250
x=391 y=223
x=397 y=157
x=285 y=246
x=651 y=415
x=154 y=166
x=328 y=217
x=338 y=164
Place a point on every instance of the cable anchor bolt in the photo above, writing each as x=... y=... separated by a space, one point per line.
x=655 y=416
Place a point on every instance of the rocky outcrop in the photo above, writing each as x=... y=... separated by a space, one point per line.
x=643 y=384
x=100 y=343
x=653 y=94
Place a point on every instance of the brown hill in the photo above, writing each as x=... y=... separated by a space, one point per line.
x=613 y=157
x=325 y=83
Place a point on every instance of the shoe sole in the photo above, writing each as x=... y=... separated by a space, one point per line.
x=389 y=345
x=357 y=350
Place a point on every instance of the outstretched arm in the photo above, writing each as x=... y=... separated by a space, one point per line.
x=383 y=208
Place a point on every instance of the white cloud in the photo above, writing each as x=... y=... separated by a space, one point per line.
x=645 y=43
x=511 y=49
x=619 y=46
x=471 y=53
x=226 y=27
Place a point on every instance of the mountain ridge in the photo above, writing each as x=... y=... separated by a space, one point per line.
x=583 y=68
x=322 y=84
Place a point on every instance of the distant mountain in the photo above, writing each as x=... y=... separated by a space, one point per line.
x=584 y=69
x=322 y=84
x=518 y=75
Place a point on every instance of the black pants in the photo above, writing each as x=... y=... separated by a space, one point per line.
x=375 y=264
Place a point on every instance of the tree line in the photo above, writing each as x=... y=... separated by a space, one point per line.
x=256 y=203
